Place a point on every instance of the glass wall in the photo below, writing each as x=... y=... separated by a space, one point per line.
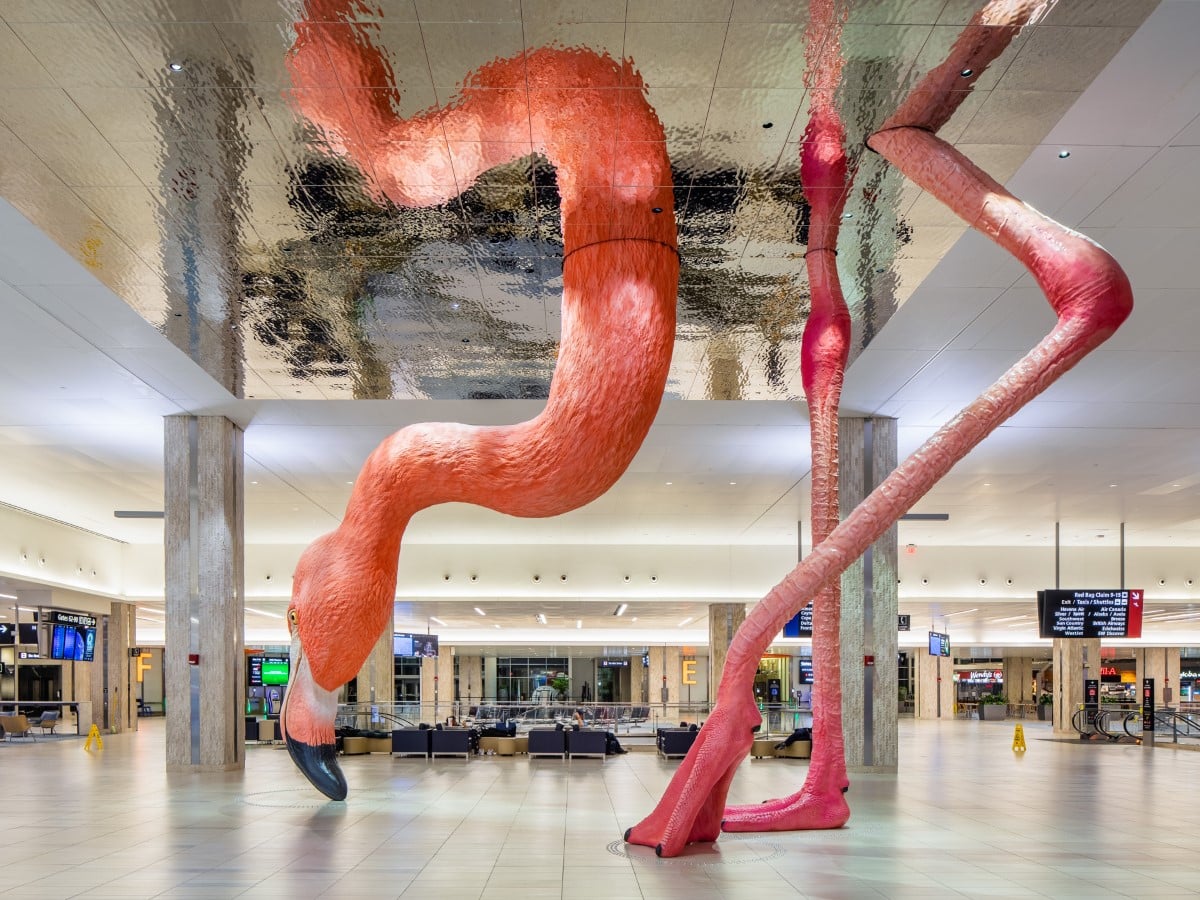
x=408 y=679
x=528 y=679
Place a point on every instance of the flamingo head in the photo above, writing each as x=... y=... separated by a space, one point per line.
x=339 y=606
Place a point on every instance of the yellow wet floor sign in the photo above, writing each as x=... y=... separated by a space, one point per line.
x=1019 y=739
x=94 y=735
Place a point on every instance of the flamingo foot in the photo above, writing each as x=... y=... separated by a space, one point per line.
x=692 y=807
x=809 y=810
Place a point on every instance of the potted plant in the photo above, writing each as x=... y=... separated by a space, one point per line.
x=993 y=707
x=561 y=685
x=1045 y=706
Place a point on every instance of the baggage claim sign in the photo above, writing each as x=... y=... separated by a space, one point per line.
x=1090 y=614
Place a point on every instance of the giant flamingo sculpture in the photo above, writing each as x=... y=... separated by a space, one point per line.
x=1091 y=297
x=620 y=272
x=617 y=329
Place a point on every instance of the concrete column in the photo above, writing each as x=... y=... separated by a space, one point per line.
x=205 y=594
x=639 y=682
x=665 y=672
x=870 y=641
x=377 y=677
x=121 y=676
x=470 y=680
x=1018 y=679
x=724 y=619
x=489 y=678
x=437 y=687
x=1161 y=664
x=934 y=680
x=1070 y=657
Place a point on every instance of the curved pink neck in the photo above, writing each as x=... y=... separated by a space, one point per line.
x=589 y=116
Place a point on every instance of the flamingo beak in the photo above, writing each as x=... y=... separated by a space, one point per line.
x=307 y=721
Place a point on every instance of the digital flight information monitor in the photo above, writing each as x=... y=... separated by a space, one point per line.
x=799 y=625
x=1090 y=613
x=939 y=644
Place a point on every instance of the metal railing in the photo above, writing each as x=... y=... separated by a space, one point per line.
x=621 y=718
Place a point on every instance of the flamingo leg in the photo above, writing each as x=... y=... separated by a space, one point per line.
x=1091 y=297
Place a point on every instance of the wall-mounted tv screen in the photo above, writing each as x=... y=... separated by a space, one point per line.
x=806 y=672
x=939 y=644
x=74 y=642
x=414 y=644
x=8 y=634
x=276 y=669
x=262 y=670
x=27 y=633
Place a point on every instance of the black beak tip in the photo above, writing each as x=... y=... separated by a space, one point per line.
x=320 y=766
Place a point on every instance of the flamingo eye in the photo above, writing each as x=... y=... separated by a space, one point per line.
x=293 y=616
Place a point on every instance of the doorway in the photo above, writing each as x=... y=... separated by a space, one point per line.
x=39 y=683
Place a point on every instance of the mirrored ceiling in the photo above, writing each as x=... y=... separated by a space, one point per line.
x=162 y=144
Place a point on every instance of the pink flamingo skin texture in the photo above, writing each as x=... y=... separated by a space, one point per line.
x=1091 y=297
x=620 y=275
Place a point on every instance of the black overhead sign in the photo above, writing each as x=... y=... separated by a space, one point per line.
x=1090 y=613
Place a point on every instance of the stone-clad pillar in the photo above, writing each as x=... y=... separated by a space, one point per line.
x=665 y=674
x=122 y=680
x=723 y=622
x=870 y=645
x=205 y=594
x=470 y=680
x=1075 y=660
x=437 y=687
x=377 y=677
x=935 y=688
x=1161 y=664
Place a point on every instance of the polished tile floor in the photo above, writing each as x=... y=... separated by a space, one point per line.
x=965 y=818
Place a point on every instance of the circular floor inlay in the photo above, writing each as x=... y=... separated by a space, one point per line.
x=308 y=798
x=728 y=851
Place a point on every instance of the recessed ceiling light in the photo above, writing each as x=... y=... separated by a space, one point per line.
x=733 y=482
x=480 y=611
x=620 y=610
x=687 y=621
x=967 y=73
x=1112 y=485
x=436 y=619
x=1063 y=154
x=175 y=66
x=541 y=617
x=10 y=596
x=495 y=626
x=669 y=483
x=254 y=482
x=579 y=623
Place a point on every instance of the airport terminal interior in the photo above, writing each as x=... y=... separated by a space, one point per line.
x=246 y=241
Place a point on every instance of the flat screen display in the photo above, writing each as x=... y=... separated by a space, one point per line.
x=8 y=634
x=800 y=625
x=939 y=644
x=74 y=642
x=27 y=633
x=1090 y=613
x=276 y=669
x=414 y=644
x=806 y=675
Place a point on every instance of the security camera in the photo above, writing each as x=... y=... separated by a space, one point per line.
x=654 y=578
x=562 y=577
x=537 y=577
x=446 y=577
